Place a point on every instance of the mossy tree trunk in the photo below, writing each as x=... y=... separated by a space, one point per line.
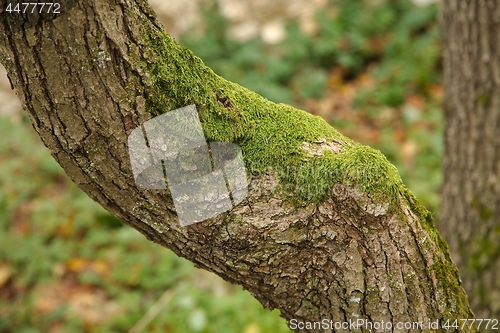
x=470 y=218
x=328 y=230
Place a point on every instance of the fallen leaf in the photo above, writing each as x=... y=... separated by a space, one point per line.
x=5 y=272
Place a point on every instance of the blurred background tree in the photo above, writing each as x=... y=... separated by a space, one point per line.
x=471 y=189
x=371 y=68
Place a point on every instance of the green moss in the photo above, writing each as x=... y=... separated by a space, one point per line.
x=484 y=212
x=308 y=306
x=100 y=36
x=316 y=282
x=269 y=134
x=372 y=294
x=425 y=217
x=370 y=168
x=294 y=234
x=483 y=99
x=449 y=288
x=450 y=291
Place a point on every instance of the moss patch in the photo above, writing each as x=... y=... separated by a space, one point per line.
x=269 y=134
x=450 y=292
x=426 y=221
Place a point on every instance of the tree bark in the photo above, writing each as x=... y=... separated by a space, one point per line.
x=470 y=217
x=327 y=231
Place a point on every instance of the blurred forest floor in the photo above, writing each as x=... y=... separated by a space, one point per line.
x=371 y=68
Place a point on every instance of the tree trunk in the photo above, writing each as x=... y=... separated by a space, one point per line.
x=470 y=217
x=327 y=231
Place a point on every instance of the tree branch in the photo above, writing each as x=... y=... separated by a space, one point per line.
x=327 y=231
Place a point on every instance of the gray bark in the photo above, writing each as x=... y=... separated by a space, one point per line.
x=366 y=251
x=470 y=217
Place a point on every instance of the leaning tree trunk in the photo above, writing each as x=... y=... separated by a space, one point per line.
x=470 y=218
x=327 y=231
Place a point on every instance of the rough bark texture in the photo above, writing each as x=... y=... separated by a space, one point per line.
x=358 y=247
x=470 y=218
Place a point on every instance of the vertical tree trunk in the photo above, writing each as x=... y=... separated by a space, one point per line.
x=470 y=217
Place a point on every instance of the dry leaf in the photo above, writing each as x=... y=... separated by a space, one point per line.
x=5 y=272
